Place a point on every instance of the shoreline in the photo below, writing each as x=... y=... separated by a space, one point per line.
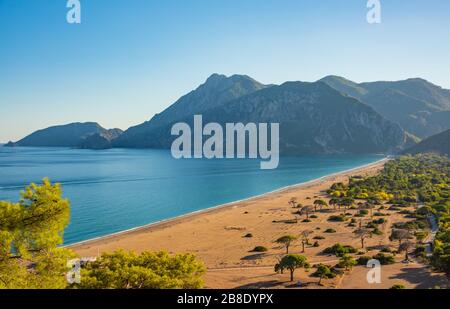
x=161 y=224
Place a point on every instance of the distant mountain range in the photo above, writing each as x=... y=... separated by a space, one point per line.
x=421 y=108
x=332 y=115
x=439 y=143
x=80 y=135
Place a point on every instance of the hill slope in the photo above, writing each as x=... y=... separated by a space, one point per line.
x=216 y=91
x=313 y=117
x=70 y=135
x=419 y=106
x=439 y=143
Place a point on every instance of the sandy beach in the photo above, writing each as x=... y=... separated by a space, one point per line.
x=216 y=236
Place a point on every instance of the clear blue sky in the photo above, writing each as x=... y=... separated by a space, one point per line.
x=130 y=59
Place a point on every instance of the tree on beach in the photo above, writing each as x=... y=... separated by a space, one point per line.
x=286 y=241
x=363 y=234
x=323 y=271
x=400 y=235
x=405 y=247
x=333 y=202
x=292 y=262
x=293 y=202
x=347 y=202
x=306 y=210
x=319 y=203
x=30 y=233
x=304 y=236
x=347 y=262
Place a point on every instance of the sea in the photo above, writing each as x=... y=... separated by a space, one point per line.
x=120 y=189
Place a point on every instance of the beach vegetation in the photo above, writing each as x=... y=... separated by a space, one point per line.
x=286 y=241
x=292 y=262
x=148 y=270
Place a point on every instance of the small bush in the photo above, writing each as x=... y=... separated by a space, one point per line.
x=384 y=259
x=379 y=214
x=260 y=249
x=324 y=271
x=330 y=231
x=306 y=221
x=318 y=237
x=339 y=250
x=313 y=217
x=339 y=218
x=362 y=260
x=379 y=221
x=249 y=235
x=398 y=287
x=316 y=244
x=386 y=250
x=376 y=231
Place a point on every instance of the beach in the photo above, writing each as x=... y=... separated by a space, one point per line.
x=216 y=236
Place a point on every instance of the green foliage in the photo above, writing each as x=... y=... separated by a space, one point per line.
x=30 y=232
x=330 y=231
x=323 y=271
x=286 y=241
x=384 y=259
x=148 y=270
x=292 y=262
x=339 y=218
x=339 y=250
x=347 y=262
x=260 y=249
x=363 y=260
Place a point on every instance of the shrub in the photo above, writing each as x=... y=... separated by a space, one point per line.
x=318 y=237
x=313 y=217
x=376 y=231
x=339 y=218
x=306 y=221
x=260 y=249
x=249 y=235
x=339 y=250
x=316 y=244
x=323 y=271
x=386 y=250
x=362 y=260
x=379 y=221
x=398 y=287
x=384 y=259
x=330 y=231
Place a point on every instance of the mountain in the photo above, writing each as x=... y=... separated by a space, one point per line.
x=313 y=117
x=70 y=135
x=101 y=140
x=216 y=91
x=419 y=106
x=439 y=143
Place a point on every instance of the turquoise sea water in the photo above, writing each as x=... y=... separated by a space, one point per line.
x=119 y=189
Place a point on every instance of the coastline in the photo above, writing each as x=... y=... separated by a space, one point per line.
x=182 y=218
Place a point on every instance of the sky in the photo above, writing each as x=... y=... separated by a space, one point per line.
x=129 y=60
